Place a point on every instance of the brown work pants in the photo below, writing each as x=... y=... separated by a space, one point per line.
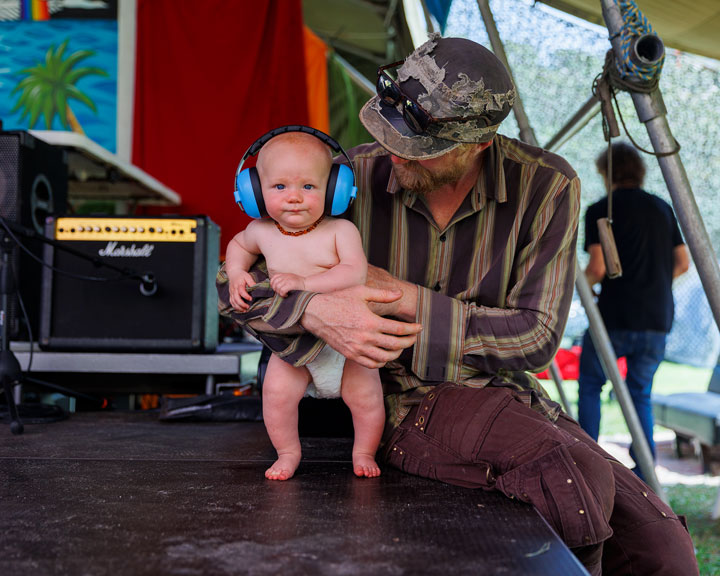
x=488 y=438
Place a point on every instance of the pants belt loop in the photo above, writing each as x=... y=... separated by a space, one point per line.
x=428 y=403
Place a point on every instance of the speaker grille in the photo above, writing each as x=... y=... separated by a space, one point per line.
x=9 y=177
x=33 y=185
x=10 y=171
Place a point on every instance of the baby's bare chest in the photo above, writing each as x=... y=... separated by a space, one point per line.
x=301 y=255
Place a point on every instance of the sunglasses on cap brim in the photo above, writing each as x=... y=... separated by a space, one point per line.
x=415 y=116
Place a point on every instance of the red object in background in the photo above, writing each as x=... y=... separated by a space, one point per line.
x=211 y=78
x=568 y=362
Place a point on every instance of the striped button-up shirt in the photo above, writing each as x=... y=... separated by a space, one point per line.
x=495 y=284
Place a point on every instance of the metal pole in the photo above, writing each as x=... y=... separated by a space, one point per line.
x=605 y=351
x=526 y=132
x=526 y=135
x=579 y=120
x=355 y=75
x=557 y=377
x=597 y=327
x=651 y=111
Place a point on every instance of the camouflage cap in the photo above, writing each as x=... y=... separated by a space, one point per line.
x=447 y=77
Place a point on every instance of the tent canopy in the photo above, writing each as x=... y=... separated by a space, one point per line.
x=688 y=25
x=368 y=33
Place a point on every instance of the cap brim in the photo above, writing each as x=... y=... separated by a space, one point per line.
x=387 y=126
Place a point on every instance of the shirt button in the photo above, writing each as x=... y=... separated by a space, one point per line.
x=437 y=287
x=443 y=238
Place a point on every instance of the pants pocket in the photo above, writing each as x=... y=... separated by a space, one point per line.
x=572 y=487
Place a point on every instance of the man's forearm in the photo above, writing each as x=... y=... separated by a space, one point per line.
x=346 y=320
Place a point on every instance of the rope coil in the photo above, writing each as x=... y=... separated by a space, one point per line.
x=642 y=53
x=639 y=70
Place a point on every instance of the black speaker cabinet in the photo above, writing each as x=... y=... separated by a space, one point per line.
x=90 y=307
x=33 y=185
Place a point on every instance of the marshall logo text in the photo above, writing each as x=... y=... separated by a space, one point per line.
x=114 y=251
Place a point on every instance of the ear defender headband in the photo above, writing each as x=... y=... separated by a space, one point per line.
x=340 y=192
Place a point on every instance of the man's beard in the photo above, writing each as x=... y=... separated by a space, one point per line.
x=416 y=178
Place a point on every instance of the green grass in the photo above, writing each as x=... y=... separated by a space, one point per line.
x=694 y=501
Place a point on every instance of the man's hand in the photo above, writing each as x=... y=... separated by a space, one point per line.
x=403 y=307
x=283 y=283
x=238 y=281
x=345 y=321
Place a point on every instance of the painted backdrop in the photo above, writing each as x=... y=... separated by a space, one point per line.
x=58 y=66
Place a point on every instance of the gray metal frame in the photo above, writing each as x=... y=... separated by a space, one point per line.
x=651 y=111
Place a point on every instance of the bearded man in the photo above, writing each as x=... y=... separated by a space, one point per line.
x=472 y=237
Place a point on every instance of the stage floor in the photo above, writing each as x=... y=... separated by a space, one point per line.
x=116 y=493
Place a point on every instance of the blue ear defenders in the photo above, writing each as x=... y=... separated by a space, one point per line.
x=340 y=192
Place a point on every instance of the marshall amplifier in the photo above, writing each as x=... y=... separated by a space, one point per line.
x=159 y=294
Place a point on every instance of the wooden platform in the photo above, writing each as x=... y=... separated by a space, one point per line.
x=124 y=493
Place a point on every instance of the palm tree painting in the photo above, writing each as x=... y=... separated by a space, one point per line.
x=48 y=88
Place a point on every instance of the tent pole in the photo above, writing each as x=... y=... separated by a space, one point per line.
x=526 y=135
x=598 y=331
x=526 y=131
x=355 y=75
x=651 y=112
x=579 y=120
x=608 y=360
x=557 y=377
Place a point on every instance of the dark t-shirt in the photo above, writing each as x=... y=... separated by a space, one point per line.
x=646 y=233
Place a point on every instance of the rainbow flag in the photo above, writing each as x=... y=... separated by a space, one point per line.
x=34 y=10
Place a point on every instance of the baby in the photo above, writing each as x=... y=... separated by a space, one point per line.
x=305 y=250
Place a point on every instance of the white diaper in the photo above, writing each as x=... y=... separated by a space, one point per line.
x=326 y=371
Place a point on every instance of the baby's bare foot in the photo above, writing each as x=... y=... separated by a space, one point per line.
x=284 y=467
x=365 y=465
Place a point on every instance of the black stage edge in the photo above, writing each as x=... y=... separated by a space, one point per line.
x=108 y=493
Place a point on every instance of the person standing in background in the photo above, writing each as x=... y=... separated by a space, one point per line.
x=637 y=307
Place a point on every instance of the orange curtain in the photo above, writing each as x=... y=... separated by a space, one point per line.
x=317 y=81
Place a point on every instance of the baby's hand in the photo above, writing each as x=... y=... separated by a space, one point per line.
x=283 y=283
x=239 y=296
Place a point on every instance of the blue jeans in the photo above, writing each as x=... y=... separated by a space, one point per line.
x=643 y=351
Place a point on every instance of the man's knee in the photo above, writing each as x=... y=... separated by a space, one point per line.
x=649 y=538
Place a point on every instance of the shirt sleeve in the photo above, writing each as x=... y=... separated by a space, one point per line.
x=273 y=320
x=677 y=235
x=463 y=339
x=592 y=236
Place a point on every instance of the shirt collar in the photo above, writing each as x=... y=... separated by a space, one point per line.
x=491 y=182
